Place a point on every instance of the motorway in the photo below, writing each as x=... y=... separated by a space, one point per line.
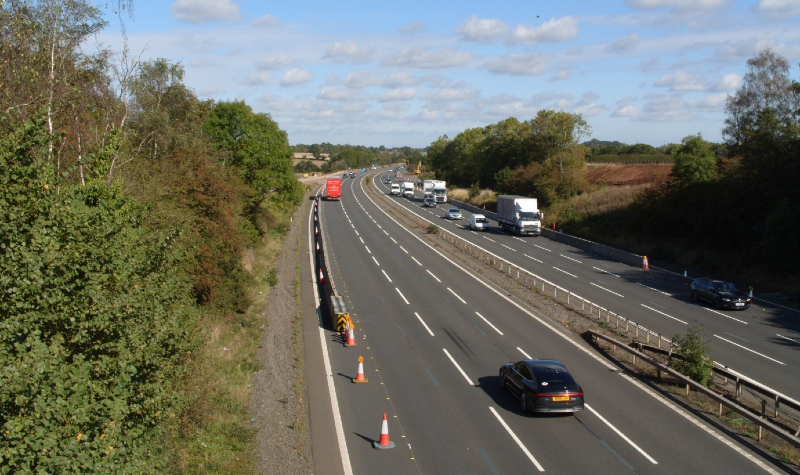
x=434 y=335
x=762 y=342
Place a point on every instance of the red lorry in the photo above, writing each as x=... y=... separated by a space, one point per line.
x=333 y=190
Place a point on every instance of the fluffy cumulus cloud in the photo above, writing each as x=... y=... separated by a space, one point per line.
x=729 y=82
x=450 y=95
x=273 y=62
x=424 y=58
x=522 y=64
x=267 y=21
x=204 y=11
x=552 y=31
x=258 y=79
x=587 y=105
x=675 y=4
x=349 y=52
x=334 y=94
x=780 y=7
x=295 y=77
x=624 y=45
x=412 y=28
x=664 y=108
x=562 y=75
x=481 y=30
x=398 y=95
x=679 y=82
x=715 y=103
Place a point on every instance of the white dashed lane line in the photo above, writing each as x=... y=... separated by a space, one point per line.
x=418 y=262
x=535 y=259
x=368 y=251
x=540 y=247
x=662 y=313
x=527 y=356
x=610 y=291
x=376 y=261
x=402 y=296
x=431 y=273
x=604 y=271
x=787 y=338
x=508 y=247
x=490 y=324
x=484 y=237
x=648 y=287
x=561 y=270
x=424 y=324
x=393 y=240
x=567 y=257
x=457 y=366
x=751 y=351
x=459 y=298
x=386 y=275
x=726 y=316
x=362 y=241
x=404 y=250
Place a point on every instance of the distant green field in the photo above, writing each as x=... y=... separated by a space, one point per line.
x=631 y=159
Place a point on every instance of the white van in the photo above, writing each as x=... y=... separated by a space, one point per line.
x=478 y=222
x=396 y=189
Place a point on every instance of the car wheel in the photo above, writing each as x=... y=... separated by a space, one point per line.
x=523 y=402
x=718 y=304
x=694 y=295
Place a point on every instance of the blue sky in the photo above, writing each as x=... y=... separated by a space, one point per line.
x=404 y=73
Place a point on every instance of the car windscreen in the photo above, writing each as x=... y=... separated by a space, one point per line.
x=725 y=287
x=552 y=379
x=526 y=215
x=481 y=220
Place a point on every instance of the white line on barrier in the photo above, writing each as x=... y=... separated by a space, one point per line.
x=387 y=275
x=607 y=289
x=489 y=323
x=535 y=259
x=567 y=257
x=561 y=270
x=662 y=313
x=402 y=296
x=423 y=323
x=751 y=351
x=624 y=437
x=459 y=298
x=458 y=367
x=516 y=439
x=431 y=273
x=527 y=356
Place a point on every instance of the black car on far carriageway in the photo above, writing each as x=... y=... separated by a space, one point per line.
x=542 y=386
x=722 y=294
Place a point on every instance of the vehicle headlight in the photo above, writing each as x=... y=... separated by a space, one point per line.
x=725 y=299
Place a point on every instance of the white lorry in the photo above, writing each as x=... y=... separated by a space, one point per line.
x=519 y=215
x=408 y=189
x=396 y=189
x=427 y=187
x=440 y=191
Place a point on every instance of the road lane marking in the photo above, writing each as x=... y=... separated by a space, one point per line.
x=508 y=247
x=787 y=338
x=402 y=296
x=624 y=437
x=657 y=305
x=451 y=291
x=726 y=316
x=516 y=439
x=354 y=229
x=368 y=251
x=751 y=351
x=489 y=323
x=662 y=313
x=654 y=290
x=567 y=257
x=362 y=241
x=604 y=271
x=393 y=240
x=456 y=364
x=387 y=275
x=418 y=262
x=435 y=383
x=607 y=289
x=404 y=250
x=561 y=270
x=737 y=337
x=376 y=261
x=535 y=259
x=423 y=323
x=379 y=226
x=518 y=239
x=527 y=356
x=384 y=232
x=431 y=273
x=540 y=247
x=484 y=237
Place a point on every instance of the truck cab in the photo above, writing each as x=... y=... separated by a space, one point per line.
x=396 y=188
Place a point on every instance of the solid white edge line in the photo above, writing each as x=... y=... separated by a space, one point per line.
x=457 y=296
x=458 y=367
x=524 y=354
x=662 y=313
x=323 y=339
x=387 y=276
x=712 y=432
x=516 y=439
x=402 y=296
x=624 y=437
x=431 y=273
x=424 y=324
x=751 y=351
x=489 y=323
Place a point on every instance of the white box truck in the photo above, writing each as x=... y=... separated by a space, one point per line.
x=519 y=215
x=408 y=189
x=427 y=187
x=440 y=191
x=396 y=189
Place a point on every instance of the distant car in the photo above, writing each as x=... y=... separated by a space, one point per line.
x=352 y=175
x=429 y=202
x=722 y=294
x=388 y=181
x=345 y=175
x=542 y=386
x=478 y=222
x=454 y=213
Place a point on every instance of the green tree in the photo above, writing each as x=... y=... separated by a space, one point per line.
x=695 y=161
x=692 y=356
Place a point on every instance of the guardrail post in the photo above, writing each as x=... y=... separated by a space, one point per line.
x=777 y=400
x=687 y=389
x=659 y=341
x=720 y=410
x=738 y=387
x=637 y=331
x=648 y=336
x=583 y=304
x=763 y=410
x=568 y=294
x=626 y=325
x=555 y=293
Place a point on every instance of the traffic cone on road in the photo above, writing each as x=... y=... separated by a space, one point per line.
x=316 y=231
x=751 y=293
x=351 y=337
x=685 y=277
x=315 y=218
x=317 y=246
x=384 y=442
x=645 y=265
x=321 y=277
x=360 y=376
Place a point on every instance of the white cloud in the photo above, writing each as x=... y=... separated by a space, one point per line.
x=522 y=64
x=353 y=107
x=267 y=21
x=416 y=27
x=450 y=95
x=659 y=108
x=401 y=79
x=422 y=57
x=360 y=80
x=204 y=11
x=715 y=103
x=552 y=31
x=675 y=4
x=395 y=106
x=349 y=52
x=334 y=94
x=426 y=114
x=481 y=30
x=729 y=82
x=398 y=95
x=258 y=79
x=586 y=106
x=295 y=77
x=780 y=7
x=624 y=45
x=561 y=75
x=680 y=81
x=273 y=62
x=626 y=110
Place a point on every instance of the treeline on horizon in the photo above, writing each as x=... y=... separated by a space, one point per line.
x=730 y=207
x=125 y=205
x=344 y=157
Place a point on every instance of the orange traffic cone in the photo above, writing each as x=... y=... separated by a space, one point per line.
x=645 y=265
x=315 y=218
x=321 y=277
x=554 y=225
x=351 y=337
x=685 y=277
x=316 y=231
x=317 y=246
x=751 y=294
x=360 y=376
x=384 y=443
